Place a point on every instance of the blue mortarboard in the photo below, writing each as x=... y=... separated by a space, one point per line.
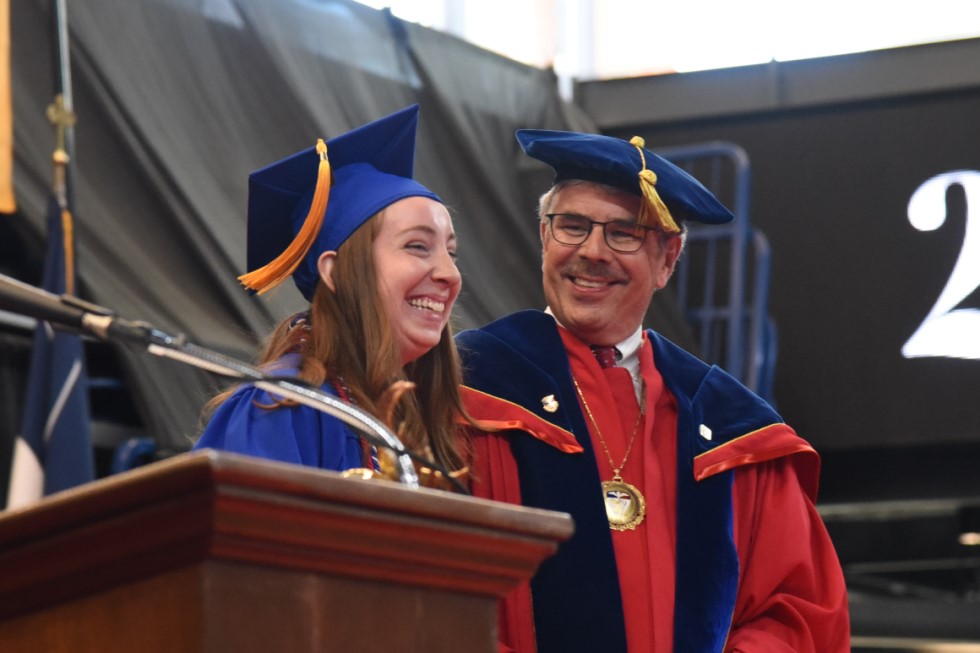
x=288 y=228
x=667 y=190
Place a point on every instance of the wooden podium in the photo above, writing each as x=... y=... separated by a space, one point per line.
x=213 y=551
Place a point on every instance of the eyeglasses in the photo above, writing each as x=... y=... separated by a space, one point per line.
x=620 y=235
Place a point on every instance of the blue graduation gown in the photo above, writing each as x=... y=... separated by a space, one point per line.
x=292 y=434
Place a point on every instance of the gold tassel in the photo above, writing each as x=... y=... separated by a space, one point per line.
x=281 y=268
x=653 y=208
x=67 y=232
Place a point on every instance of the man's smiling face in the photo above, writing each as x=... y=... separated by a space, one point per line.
x=599 y=294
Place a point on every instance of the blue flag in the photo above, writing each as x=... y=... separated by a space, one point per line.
x=53 y=451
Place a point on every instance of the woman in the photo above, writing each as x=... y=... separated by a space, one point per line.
x=374 y=252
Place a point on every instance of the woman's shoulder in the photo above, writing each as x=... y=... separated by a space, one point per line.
x=286 y=365
x=255 y=421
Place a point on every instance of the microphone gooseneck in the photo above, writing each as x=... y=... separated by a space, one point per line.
x=73 y=314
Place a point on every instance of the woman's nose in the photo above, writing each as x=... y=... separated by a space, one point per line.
x=445 y=268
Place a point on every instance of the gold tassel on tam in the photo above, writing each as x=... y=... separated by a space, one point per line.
x=281 y=268
x=653 y=208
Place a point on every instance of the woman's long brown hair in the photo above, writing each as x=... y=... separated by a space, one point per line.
x=350 y=339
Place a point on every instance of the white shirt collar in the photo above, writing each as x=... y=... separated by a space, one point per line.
x=630 y=351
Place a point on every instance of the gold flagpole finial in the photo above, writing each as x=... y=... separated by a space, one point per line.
x=63 y=118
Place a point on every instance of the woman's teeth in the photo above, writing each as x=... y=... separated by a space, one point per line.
x=428 y=304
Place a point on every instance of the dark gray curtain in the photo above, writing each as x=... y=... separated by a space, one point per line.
x=178 y=100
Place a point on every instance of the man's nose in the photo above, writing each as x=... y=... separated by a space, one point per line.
x=595 y=244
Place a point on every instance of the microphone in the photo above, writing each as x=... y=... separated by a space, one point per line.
x=69 y=313
x=18 y=297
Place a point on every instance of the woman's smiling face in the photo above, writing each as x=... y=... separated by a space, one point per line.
x=418 y=282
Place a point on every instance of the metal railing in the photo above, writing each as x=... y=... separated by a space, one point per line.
x=722 y=281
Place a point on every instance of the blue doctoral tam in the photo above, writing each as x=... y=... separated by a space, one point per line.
x=618 y=163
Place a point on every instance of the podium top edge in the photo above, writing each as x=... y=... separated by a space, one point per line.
x=217 y=475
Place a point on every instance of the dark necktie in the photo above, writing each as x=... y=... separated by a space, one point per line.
x=605 y=355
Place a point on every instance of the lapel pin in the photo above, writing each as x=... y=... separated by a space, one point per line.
x=705 y=432
x=549 y=403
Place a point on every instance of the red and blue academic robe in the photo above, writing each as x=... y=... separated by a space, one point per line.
x=751 y=567
x=298 y=434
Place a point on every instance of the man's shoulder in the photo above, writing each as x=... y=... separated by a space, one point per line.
x=686 y=371
x=526 y=334
x=682 y=371
x=714 y=396
x=514 y=327
x=513 y=351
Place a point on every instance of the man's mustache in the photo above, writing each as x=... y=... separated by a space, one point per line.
x=591 y=270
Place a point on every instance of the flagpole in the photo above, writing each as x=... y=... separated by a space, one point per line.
x=53 y=451
x=61 y=115
x=63 y=88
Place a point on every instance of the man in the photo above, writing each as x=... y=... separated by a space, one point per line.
x=696 y=528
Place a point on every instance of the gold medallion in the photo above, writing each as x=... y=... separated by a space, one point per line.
x=625 y=505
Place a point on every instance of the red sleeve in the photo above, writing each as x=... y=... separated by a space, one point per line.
x=494 y=476
x=791 y=596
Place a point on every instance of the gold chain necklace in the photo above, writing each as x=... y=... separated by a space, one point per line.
x=625 y=505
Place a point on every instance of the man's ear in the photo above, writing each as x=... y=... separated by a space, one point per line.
x=672 y=252
x=324 y=265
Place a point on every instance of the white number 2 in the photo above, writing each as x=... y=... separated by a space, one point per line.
x=948 y=331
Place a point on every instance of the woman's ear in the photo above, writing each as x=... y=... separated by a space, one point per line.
x=324 y=265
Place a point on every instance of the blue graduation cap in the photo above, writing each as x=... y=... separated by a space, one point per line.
x=667 y=190
x=312 y=201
